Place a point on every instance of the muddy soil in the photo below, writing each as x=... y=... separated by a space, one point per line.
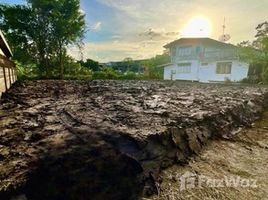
x=111 y=139
x=244 y=156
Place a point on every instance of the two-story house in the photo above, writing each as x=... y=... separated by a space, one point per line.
x=204 y=60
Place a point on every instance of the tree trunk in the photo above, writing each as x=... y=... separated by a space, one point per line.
x=61 y=65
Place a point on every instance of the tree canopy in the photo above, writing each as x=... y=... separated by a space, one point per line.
x=40 y=32
x=256 y=53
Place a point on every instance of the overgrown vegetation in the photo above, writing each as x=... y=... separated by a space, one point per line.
x=40 y=31
x=256 y=53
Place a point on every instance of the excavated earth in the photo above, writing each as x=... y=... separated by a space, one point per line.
x=109 y=140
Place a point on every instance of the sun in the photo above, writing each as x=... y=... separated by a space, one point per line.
x=198 y=26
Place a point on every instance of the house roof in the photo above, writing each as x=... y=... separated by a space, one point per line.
x=4 y=46
x=195 y=41
x=165 y=65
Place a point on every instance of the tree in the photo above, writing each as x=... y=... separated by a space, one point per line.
x=15 y=21
x=152 y=69
x=128 y=62
x=43 y=28
x=256 y=53
x=91 y=64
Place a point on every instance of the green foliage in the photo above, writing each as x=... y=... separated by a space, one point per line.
x=40 y=31
x=109 y=73
x=128 y=64
x=91 y=64
x=28 y=71
x=130 y=76
x=256 y=53
x=74 y=70
x=152 y=66
x=130 y=70
x=106 y=73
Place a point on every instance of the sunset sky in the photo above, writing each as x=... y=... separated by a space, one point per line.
x=140 y=28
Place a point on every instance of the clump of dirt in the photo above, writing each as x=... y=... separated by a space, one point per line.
x=241 y=162
x=111 y=139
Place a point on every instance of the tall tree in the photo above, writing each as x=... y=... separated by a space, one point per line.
x=256 y=53
x=44 y=28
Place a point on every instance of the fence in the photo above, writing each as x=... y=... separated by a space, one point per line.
x=8 y=73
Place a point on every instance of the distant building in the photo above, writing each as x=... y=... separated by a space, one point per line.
x=204 y=60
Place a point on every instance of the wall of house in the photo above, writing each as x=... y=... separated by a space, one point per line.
x=192 y=75
x=207 y=73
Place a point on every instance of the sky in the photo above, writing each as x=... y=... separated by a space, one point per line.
x=139 y=29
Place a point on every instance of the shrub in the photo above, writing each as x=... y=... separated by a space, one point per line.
x=106 y=73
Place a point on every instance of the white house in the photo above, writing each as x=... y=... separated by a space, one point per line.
x=204 y=60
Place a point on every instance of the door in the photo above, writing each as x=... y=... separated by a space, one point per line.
x=204 y=74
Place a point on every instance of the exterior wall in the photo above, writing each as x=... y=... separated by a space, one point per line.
x=192 y=76
x=208 y=73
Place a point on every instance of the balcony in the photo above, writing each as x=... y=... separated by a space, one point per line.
x=219 y=55
x=210 y=56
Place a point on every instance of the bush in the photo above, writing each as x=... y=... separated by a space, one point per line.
x=76 y=71
x=106 y=73
x=29 y=71
x=131 y=76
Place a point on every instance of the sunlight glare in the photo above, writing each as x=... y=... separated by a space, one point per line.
x=197 y=27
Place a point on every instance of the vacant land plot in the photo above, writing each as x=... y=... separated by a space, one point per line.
x=111 y=139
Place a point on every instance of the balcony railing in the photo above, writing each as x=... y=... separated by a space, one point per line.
x=8 y=73
x=210 y=56
x=220 y=55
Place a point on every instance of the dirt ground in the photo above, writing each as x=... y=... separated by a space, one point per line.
x=110 y=139
x=245 y=156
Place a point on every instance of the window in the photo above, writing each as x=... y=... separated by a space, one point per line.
x=184 y=64
x=204 y=64
x=224 y=68
x=184 y=51
x=173 y=71
x=184 y=67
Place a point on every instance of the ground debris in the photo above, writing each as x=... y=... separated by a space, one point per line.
x=72 y=139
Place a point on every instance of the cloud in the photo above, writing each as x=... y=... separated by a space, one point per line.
x=96 y=27
x=116 y=37
x=140 y=28
x=118 y=50
x=158 y=35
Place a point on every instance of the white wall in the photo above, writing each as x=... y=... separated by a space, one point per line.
x=193 y=75
x=208 y=73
